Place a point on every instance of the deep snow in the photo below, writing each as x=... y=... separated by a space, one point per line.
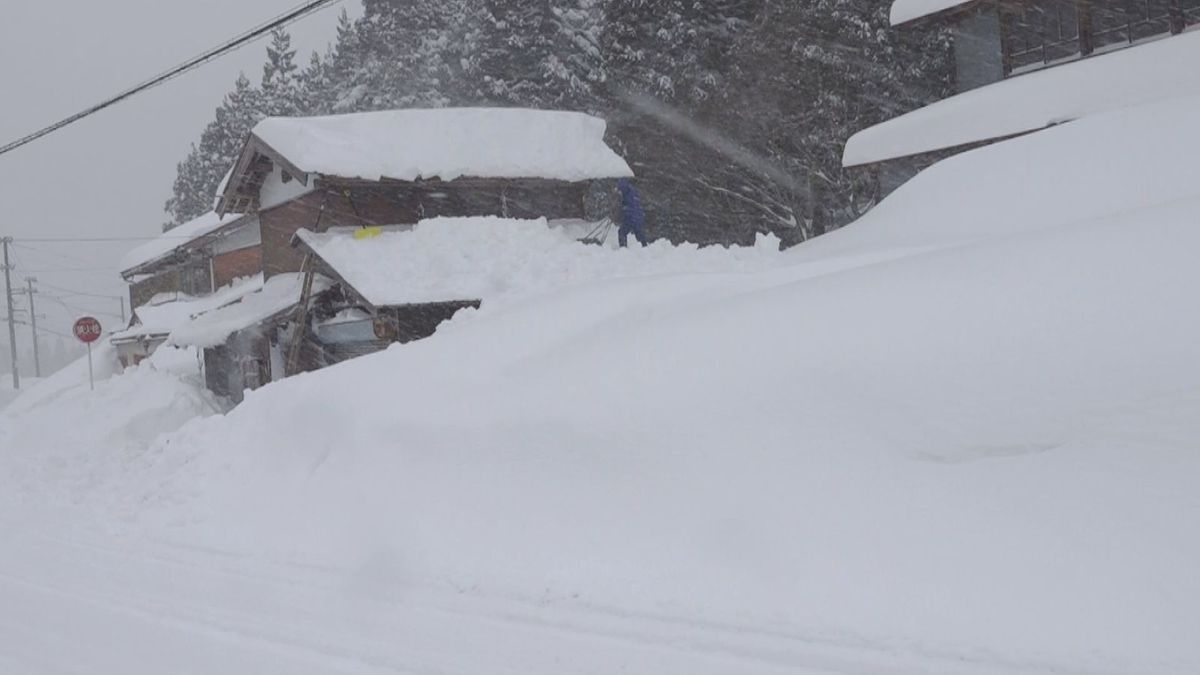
x=447 y=143
x=955 y=437
x=1160 y=70
x=498 y=259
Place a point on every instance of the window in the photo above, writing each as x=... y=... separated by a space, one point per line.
x=1118 y=22
x=1191 y=11
x=1041 y=34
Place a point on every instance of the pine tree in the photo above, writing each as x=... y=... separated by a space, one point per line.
x=280 y=86
x=542 y=54
x=416 y=53
x=201 y=172
x=808 y=76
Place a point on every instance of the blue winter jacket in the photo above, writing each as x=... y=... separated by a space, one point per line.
x=632 y=215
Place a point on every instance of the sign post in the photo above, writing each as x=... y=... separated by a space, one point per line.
x=88 y=330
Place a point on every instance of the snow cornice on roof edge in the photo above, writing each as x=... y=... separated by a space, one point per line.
x=1140 y=74
x=904 y=11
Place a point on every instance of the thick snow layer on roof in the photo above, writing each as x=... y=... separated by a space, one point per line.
x=174 y=238
x=907 y=10
x=1114 y=162
x=447 y=144
x=160 y=318
x=213 y=328
x=1141 y=74
x=480 y=258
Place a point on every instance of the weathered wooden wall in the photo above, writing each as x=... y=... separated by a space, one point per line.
x=244 y=262
x=396 y=203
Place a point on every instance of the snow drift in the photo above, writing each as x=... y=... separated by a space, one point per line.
x=961 y=428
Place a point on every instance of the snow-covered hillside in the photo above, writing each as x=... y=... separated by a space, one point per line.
x=956 y=437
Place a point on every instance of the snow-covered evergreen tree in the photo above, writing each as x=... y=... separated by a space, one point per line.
x=542 y=54
x=201 y=172
x=280 y=80
x=782 y=82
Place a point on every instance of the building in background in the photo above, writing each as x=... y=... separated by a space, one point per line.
x=1021 y=66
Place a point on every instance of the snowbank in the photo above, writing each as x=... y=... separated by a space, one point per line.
x=446 y=144
x=490 y=258
x=964 y=427
x=7 y=393
x=65 y=444
x=212 y=328
x=1149 y=72
x=938 y=431
x=174 y=238
x=1057 y=176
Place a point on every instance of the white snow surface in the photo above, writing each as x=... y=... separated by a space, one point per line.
x=446 y=144
x=1148 y=72
x=907 y=10
x=957 y=437
x=175 y=238
x=214 y=327
x=162 y=315
x=486 y=258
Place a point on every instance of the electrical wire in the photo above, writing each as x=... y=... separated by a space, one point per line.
x=93 y=240
x=289 y=17
x=71 y=292
x=76 y=308
x=56 y=254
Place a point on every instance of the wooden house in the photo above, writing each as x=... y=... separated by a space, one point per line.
x=351 y=173
x=1024 y=65
x=402 y=166
x=182 y=272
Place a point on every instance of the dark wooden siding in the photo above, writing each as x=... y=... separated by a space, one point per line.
x=194 y=279
x=357 y=204
x=241 y=263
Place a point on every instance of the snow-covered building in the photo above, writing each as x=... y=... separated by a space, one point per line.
x=339 y=176
x=153 y=322
x=1024 y=66
x=189 y=269
x=244 y=343
x=402 y=166
x=194 y=258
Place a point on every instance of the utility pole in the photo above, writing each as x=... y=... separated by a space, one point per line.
x=12 y=319
x=37 y=357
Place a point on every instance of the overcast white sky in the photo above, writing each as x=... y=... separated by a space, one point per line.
x=109 y=175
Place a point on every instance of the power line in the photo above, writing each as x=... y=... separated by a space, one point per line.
x=76 y=308
x=93 y=240
x=71 y=291
x=56 y=254
x=72 y=269
x=289 y=17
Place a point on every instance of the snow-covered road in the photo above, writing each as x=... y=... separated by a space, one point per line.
x=73 y=605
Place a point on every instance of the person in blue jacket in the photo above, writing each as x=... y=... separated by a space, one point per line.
x=633 y=217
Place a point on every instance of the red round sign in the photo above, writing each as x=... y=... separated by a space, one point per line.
x=87 y=329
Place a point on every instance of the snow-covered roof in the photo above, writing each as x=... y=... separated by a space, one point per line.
x=907 y=10
x=484 y=258
x=213 y=328
x=446 y=143
x=162 y=315
x=175 y=238
x=1162 y=69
